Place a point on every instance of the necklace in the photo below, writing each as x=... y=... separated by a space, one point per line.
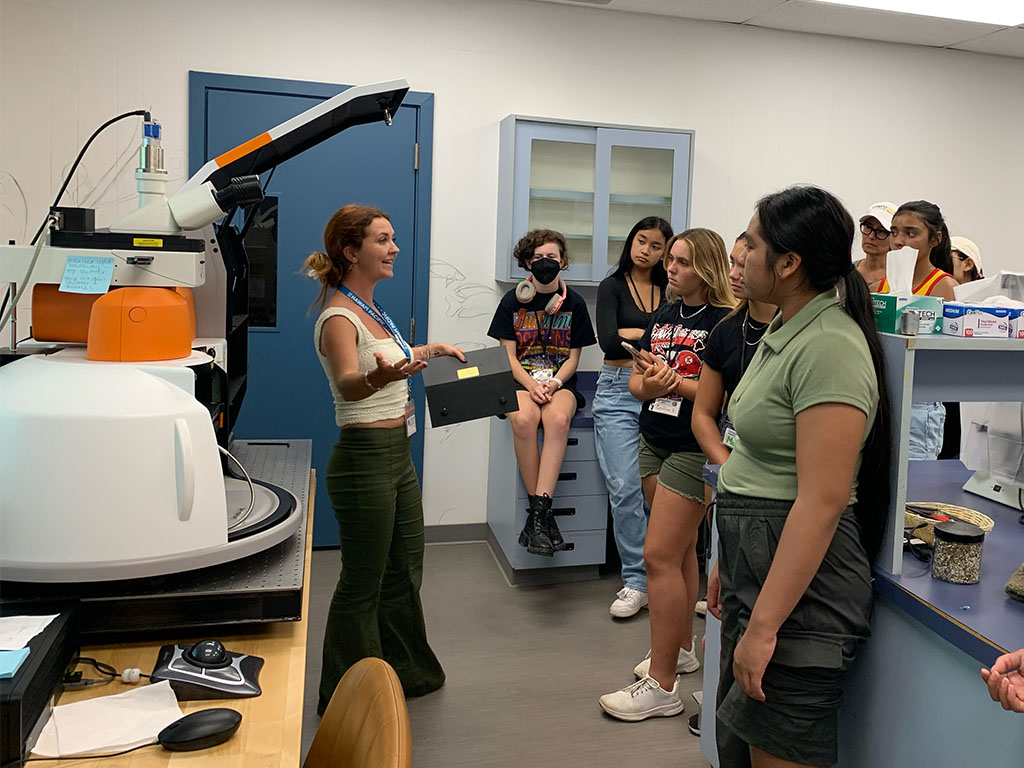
x=640 y=300
x=687 y=317
x=749 y=322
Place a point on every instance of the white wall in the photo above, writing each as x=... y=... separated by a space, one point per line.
x=867 y=120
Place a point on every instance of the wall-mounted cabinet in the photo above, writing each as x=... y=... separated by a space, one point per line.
x=592 y=183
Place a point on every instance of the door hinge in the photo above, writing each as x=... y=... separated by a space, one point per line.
x=412 y=332
x=416 y=157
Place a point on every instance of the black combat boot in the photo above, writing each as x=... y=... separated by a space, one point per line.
x=549 y=524
x=535 y=536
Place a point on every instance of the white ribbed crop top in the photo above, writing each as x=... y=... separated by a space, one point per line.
x=388 y=403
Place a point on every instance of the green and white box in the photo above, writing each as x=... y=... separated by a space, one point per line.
x=888 y=307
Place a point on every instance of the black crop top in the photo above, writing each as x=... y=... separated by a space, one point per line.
x=616 y=309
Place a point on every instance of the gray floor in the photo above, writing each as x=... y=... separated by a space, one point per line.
x=525 y=669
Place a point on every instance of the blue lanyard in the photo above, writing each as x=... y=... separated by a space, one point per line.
x=381 y=317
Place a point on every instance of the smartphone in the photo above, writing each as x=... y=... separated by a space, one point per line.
x=631 y=349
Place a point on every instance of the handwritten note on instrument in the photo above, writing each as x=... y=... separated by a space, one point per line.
x=87 y=274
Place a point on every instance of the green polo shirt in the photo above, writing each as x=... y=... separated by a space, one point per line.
x=819 y=356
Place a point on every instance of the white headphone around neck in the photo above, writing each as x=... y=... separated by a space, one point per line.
x=526 y=290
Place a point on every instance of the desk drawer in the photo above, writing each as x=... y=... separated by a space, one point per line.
x=579 y=446
x=573 y=513
x=587 y=549
x=577 y=478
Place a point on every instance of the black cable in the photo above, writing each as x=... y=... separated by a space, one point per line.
x=67 y=179
x=79 y=757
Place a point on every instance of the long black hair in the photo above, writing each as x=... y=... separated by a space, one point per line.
x=813 y=223
x=941 y=255
x=658 y=274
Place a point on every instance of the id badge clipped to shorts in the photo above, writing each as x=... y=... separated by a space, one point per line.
x=410 y=418
x=666 y=406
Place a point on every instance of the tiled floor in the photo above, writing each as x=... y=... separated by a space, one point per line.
x=525 y=668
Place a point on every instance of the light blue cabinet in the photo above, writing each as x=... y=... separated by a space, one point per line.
x=592 y=183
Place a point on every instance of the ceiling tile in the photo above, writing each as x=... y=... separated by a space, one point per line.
x=826 y=19
x=1005 y=42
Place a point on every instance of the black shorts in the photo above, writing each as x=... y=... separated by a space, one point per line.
x=803 y=683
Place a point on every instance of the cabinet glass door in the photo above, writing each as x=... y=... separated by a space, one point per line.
x=560 y=195
x=647 y=176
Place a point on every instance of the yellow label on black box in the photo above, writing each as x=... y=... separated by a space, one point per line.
x=148 y=242
x=468 y=373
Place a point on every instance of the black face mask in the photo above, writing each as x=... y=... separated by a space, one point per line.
x=545 y=270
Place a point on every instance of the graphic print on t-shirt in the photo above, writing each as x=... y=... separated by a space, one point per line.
x=680 y=348
x=543 y=345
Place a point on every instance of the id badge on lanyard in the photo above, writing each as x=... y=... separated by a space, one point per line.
x=666 y=406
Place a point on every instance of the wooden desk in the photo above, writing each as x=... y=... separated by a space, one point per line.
x=271 y=729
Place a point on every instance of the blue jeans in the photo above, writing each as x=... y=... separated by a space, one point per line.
x=926 y=424
x=617 y=438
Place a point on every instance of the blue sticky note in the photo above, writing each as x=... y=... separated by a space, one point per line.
x=10 y=661
x=87 y=274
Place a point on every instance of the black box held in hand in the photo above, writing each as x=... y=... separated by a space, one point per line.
x=480 y=387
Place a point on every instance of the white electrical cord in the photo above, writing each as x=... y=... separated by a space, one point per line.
x=252 y=490
x=50 y=219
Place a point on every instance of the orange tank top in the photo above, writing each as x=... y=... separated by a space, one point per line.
x=926 y=286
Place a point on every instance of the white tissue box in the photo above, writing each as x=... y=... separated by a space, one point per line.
x=889 y=306
x=976 y=320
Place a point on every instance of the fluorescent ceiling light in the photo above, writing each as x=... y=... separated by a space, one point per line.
x=1007 y=13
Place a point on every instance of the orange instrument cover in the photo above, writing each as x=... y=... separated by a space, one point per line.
x=58 y=316
x=138 y=324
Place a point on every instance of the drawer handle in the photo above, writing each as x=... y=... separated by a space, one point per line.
x=569 y=546
x=564 y=511
x=566 y=476
x=573 y=441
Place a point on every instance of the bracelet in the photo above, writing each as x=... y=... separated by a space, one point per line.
x=366 y=380
x=557 y=381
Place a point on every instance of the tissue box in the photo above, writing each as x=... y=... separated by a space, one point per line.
x=1017 y=323
x=888 y=307
x=976 y=320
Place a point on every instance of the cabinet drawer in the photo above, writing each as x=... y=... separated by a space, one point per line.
x=587 y=549
x=579 y=446
x=577 y=478
x=573 y=513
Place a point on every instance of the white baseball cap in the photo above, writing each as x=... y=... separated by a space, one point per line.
x=883 y=211
x=967 y=248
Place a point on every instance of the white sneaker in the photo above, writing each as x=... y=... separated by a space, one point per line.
x=628 y=603
x=643 y=699
x=686 y=663
x=701 y=608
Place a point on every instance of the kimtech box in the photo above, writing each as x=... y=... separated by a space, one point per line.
x=888 y=307
x=976 y=320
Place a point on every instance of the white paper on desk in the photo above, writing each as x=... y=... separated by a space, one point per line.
x=899 y=270
x=109 y=723
x=16 y=631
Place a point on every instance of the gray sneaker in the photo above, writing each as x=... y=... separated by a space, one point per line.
x=686 y=663
x=641 y=700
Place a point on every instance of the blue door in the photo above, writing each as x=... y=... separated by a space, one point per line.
x=287 y=394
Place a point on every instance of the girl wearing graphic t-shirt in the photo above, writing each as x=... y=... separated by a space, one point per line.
x=671 y=463
x=543 y=325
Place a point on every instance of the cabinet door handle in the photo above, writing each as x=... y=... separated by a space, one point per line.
x=564 y=511
x=566 y=476
x=573 y=441
x=569 y=546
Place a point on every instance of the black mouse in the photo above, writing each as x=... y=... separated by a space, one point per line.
x=199 y=730
x=208 y=653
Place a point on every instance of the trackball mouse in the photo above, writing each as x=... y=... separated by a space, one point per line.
x=208 y=653
x=199 y=730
